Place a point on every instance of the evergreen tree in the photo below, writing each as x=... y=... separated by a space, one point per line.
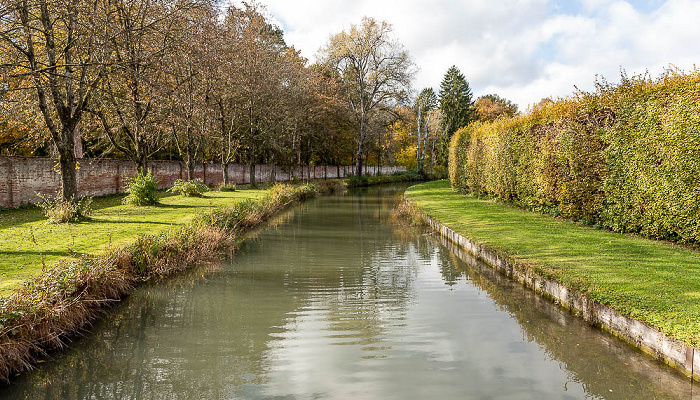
x=456 y=105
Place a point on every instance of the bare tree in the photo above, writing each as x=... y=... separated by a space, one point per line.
x=375 y=70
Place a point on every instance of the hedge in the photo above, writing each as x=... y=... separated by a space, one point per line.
x=624 y=157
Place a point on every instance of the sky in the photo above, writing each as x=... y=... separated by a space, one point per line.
x=523 y=50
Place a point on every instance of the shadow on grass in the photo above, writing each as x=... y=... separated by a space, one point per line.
x=9 y=218
x=125 y=221
x=176 y=206
x=33 y=253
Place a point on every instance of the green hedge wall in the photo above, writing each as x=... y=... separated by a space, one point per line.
x=625 y=157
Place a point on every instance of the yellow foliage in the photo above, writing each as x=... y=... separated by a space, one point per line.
x=625 y=157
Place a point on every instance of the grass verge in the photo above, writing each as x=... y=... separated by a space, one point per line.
x=67 y=296
x=651 y=281
x=28 y=243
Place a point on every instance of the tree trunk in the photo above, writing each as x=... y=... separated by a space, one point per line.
x=66 y=160
x=77 y=143
x=425 y=140
x=190 y=170
x=141 y=166
x=251 y=172
x=419 y=162
x=224 y=171
x=69 y=181
x=360 y=148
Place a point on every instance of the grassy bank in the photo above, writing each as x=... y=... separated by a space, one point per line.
x=28 y=243
x=655 y=282
x=63 y=299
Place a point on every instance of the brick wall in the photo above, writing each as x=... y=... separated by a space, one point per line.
x=21 y=178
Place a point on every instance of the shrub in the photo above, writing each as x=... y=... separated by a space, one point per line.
x=357 y=181
x=331 y=186
x=142 y=190
x=194 y=188
x=231 y=187
x=59 y=211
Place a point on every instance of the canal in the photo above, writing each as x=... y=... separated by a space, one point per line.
x=334 y=300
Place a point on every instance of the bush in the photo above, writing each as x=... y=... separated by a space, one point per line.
x=624 y=157
x=194 y=188
x=59 y=211
x=357 y=181
x=231 y=187
x=142 y=190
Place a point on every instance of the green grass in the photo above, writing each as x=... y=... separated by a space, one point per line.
x=656 y=282
x=27 y=242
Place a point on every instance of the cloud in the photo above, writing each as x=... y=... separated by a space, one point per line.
x=523 y=50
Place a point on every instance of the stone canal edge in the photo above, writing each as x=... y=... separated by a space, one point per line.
x=673 y=352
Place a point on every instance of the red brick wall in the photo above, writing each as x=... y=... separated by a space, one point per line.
x=21 y=178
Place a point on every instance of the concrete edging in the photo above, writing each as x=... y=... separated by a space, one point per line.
x=671 y=351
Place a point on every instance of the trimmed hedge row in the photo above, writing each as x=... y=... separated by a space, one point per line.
x=626 y=157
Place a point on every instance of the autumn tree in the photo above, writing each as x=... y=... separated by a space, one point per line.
x=257 y=77
x=189 y=91
x=403 y=141
x=491 y=106
x=54 y=55
x=425 y=103
x=146 y=34
x=375 y=69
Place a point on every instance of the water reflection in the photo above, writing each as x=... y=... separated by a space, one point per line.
x=335 y=303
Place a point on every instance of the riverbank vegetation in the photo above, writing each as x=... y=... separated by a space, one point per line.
x=651 y=281
x=623 y=158
x=30 y=244
x=67 y=295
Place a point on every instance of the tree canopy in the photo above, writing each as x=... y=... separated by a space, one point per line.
x=375 y=71
x=456 y=105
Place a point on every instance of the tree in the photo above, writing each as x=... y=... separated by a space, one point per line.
x=147 y=35
x=54 y=52
x=455 y=104
x=191 y=85
x=375 y=71
x=425 y=103
x=257 y=78
x=491 y=106
x=402 y=137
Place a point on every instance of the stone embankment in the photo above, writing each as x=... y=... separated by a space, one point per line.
x=673 y=352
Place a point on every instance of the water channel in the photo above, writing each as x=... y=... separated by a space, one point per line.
x=334 y=301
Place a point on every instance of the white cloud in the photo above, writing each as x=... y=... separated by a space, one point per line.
x=523 y=50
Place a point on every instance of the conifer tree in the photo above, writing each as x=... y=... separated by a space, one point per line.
x=456 y=105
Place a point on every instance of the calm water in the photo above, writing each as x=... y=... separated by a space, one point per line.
x=335 y=302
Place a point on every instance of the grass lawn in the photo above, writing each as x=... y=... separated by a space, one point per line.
x=652 y=281
x=27 y=241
